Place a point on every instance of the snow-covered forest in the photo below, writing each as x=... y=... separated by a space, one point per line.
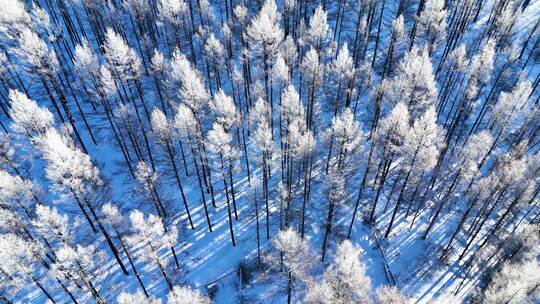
x=270 y=151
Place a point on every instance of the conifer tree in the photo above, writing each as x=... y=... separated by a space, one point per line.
x=8 y=158
x=389 y=295
x=29 y=119
x=514 y=283
x=318 y=30
x=420 y=150
x=125 y=69
x=195 y=97
x=163 y=134
x=265 y=34
x=413 y=83
x=344 y=281
x=395 y=46
x=79 y=263
x=346 y=140
x=341 y=72
x=467 y=166
x=389 y=138
x=120 y=225
x=75 y=263
x=186 y=295
x=265 y=146
x=296 y=257
x=150 y=231
x=225 y=159
x=72 y=173
x=312 y=70
x=136 y=298
x=148 y=186
x=186 y=128
x=336 y=197
x=430 y=26
x=254 y=198
x=20 y=262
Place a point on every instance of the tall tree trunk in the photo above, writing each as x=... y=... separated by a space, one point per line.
x=328 y=229
x=177 y=177
x=44 y=290
x=378 y=34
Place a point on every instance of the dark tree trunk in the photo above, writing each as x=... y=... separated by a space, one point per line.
x=177 y=177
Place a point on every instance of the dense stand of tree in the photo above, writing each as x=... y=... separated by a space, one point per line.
x=410 y=115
